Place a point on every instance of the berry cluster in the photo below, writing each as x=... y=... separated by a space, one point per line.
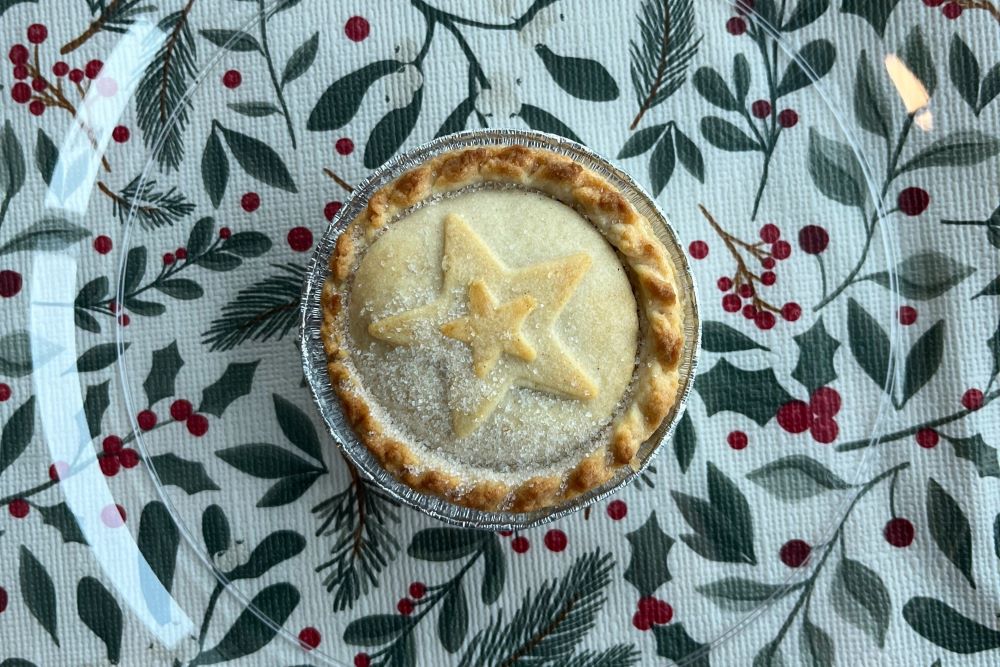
x=787 y=118
x=116 y=456
x=651 y=611
x=417 y=590
x=38 y=91
x=182 y=411
x=951 y=10
x=742 y=290
x=816 y=416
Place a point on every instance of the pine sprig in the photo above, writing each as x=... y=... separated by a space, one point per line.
x=118 y=15
x=619 y=655
x=266 y=309
x=660 y=59
x=160 y=93
x=153 y=208
x=357 y=517
x=549 y=624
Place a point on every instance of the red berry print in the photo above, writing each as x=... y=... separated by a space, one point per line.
x=146 y=420
x=300 y=239
x=110 y=466
x=617 y=509
x=197 y=425
x=519 y=544
x=20 y=92
x=168 y=258
x=129 y=458
x=10 y=283
x=907 y=315
x=18 y=54
x=225 y=233
x=309 y=638
x=952 y=10
x=761 y=109
x=60 y=68
x=5 y=392
x=824 y=430
x=927 y=438
x=933 y=3
x=124 y=320
x=19 y=508
x=698 y=249
x=781 y=250
x=362 y=660
x=344 y=146
x=37 y=107
x=93 y=68
x=737 y=440
x=232 y=79
x=764 y=320
x=899 y=532
x=746 y=290
x=417 y=590
x=37 y=33
x=745 y=6
x=642 y=621
x=181 y=410
x=725 y=283
x=647 y=605
x=825 y=402
x=3 y=599
x=794 y=416
x=250 y=202
x=405 y=606
x=768 y=263
x=913 y=201
x=736 y=26
x=749 y=311
x=972 y=399
x=113 y=516
x=181 y=253
x=76 y=75
x=120 y=134
x=813 y=239
x=112 y=444
x=770 y=233
x=795 y=553
x=791 y=311
x=506 y=533
x=357 y=28
x=731 y=303
x=20 y=72
x=768 y=278
x=331 y=209
x=102 y=244
x=38 y=85
x=58 y=471
x=662 y=613
x=788 y=118
x=555 y=540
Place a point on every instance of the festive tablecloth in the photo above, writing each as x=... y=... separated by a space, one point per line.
x=844 y=295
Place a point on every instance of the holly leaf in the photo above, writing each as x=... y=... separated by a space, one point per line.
x=835 y=170
x=214 y=170
x=817 y=348
x=871 y=107
x=392 y=130
x=923 y=360
x=301 y=60
x=674 y=643
x=100 y=612
x=256 y=626
x=17 y=433
x=235 y=382
x=297 y=427
x=957 y=149
x=937 y=622
x=445 y=544
x=796 y=477
x=648 y=568
x=543 y=121
x=163 y=372
x=258 y=159
x=975 y=450
x=99 y=357
x=340 y=102
x=273 y=550
x=580 y=77
x=62 y=519
x=924 y=275
x=726 y=136
x=759 y=397
x=950 y=529
x=815 y=645
x=662 y=163
x=869 y=344
x=95 y=404
x=876 y=12
x=685 y=442
x=189 y=476
x=719 y=337
x=38 y=592
x=861 y=598
x=739 y=594
x=641 y=141
x=723 y=525
x=818 y=57
x=453 y=621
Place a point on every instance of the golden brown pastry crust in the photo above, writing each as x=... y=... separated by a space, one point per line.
x=655 y=386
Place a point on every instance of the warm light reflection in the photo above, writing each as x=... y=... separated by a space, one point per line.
x=911 y=90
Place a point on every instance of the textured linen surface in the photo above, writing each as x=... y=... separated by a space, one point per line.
x=873 y=312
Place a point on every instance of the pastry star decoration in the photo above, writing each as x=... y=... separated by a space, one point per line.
x=495 y=329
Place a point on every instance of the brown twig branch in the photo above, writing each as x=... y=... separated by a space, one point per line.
x=95 y=27
x=338 y=180
x=743 y=276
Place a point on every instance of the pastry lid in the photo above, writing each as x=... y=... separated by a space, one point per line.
x=314 y=359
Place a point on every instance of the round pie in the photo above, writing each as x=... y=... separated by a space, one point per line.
x=503 y=328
